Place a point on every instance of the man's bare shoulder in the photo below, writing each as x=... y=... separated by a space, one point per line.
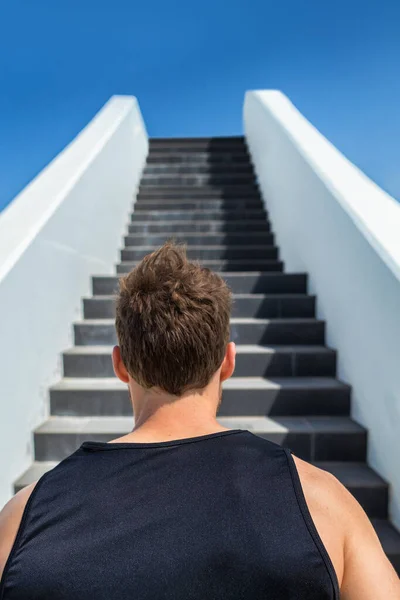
x=322 y=488
x=362 y=568
x=10 y=519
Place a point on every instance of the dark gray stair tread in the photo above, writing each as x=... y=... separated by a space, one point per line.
x=209 y=247
x=217 y=190
x=200 y=167
x=89 y=383
x=289 y=331
x=198 y=193
x=111 y=298
x=292 y=321
x=199 y=226
x=220 y=204
x=201 y=145
x=183 y=216
x=240 y=282
x=241 y=173
x=236 y=262
x=218 y=139
x=240 y=349
x=191 y=238
x=237 y=383
x=248 y=305
x=304 y=383
x=371 y=491
x=205 y=188
x=234 y=201
x=162 y=216
x=217 y=222
x=354 y=474
x=195 y=247
x=278 y=296
x=229 y=264
x=251 y=360
x=198 y=204
x=257 y=425
x=254 y=396
x=212 y=252
x=201 y=157
x=322 y=423
x=203 y=179
x=277 y=429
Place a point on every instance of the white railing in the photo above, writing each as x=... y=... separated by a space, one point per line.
x=65 y=226
x=334 y=223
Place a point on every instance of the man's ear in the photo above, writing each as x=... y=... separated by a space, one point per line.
x=119 y=367
x=228 y=364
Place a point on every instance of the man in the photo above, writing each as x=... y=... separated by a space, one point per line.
x=182 y=508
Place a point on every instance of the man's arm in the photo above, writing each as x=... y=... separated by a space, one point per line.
x=364 y=572
x=10 y=519
x=368 y=574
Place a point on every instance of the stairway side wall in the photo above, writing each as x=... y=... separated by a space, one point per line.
x=64 y=227
x=334 y=223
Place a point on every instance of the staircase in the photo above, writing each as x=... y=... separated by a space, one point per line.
x=203 y=192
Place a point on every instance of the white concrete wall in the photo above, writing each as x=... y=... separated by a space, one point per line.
x=64 y=227
x=336 y=224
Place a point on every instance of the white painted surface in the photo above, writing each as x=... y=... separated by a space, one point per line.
x=64 y=227
x=334 y=223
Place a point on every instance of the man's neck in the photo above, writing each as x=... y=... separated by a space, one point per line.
x=159 y=417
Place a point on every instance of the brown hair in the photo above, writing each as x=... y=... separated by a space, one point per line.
x=172 y=321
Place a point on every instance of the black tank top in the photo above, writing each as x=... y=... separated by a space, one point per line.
x=219 y=516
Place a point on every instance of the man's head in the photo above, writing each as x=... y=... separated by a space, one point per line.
x=172 y=321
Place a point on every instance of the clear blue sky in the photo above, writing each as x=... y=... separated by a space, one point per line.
x=189 y=63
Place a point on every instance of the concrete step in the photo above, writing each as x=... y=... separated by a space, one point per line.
x=172 y=194
x=200 y=226
x=220 y=265
x=262 y=252
x=232 y=264
x=233 y=140
x=310 y=438
x=198 y=157
x=251 y=361
x=244 y=305
x=250 y=192
x=251 y=396
x=202 y=239
x=245 y=190
x=208 y=204
x=60 y=436
x=252 y=282
x=197 y=168
x=200 y=179
x=371 y=491
x=310 y=332
x=221 y=144
x=198 y=215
